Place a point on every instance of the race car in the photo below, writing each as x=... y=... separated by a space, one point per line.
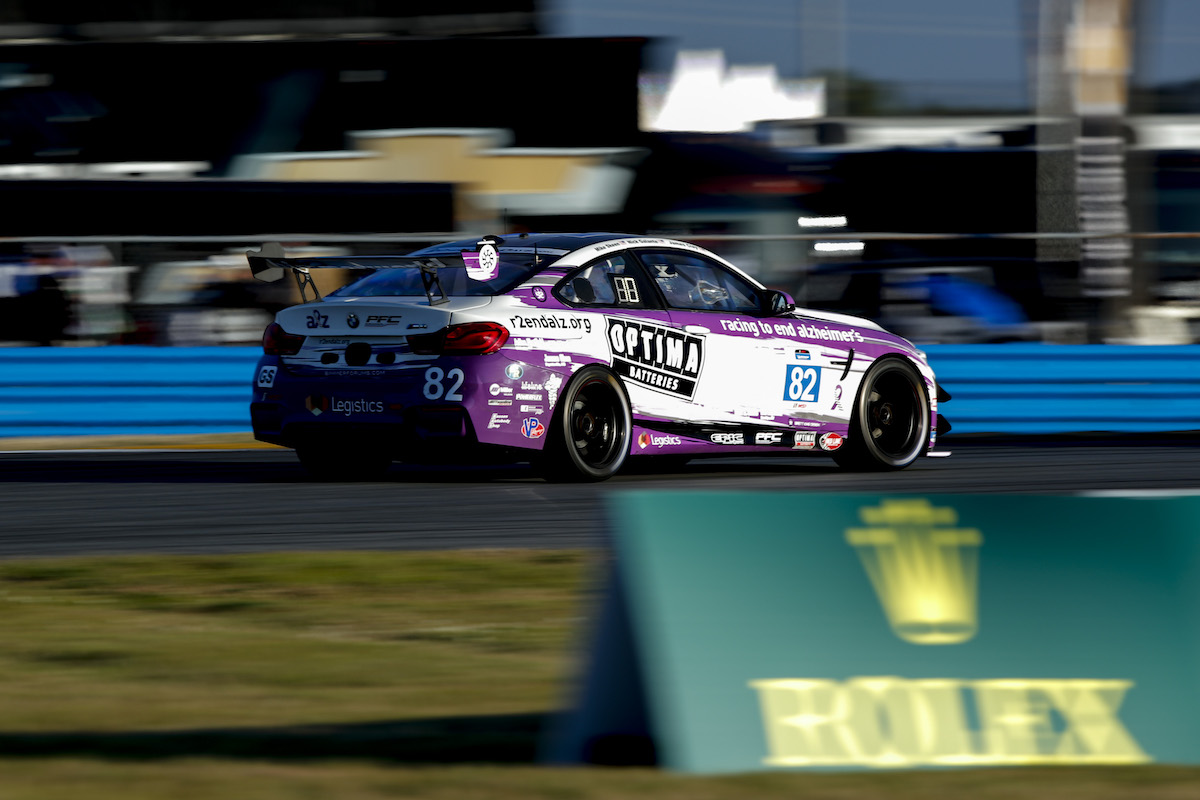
x=580 y=353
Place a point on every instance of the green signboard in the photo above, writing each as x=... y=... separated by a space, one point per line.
x=756 y=631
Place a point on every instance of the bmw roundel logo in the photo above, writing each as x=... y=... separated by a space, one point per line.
x=352 y=320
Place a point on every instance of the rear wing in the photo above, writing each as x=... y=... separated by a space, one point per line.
x=269 y=264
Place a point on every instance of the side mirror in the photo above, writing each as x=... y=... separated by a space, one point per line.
x=779 y=302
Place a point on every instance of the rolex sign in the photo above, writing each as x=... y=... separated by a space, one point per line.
x=775 y=631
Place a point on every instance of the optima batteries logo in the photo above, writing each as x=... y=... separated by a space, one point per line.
x=319 y=404
x=660 y=358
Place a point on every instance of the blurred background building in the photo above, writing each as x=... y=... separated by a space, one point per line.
x=959 y=172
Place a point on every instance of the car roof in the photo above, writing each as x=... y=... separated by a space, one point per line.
x=566 y=242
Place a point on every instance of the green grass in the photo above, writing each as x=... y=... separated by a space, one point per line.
x=355 y=675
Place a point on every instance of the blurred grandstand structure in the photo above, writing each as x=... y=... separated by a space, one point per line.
x=157 y=139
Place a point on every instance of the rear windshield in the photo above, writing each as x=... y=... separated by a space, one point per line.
x=514 y=269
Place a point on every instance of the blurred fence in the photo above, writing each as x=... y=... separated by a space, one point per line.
x=1038 y=389
x=1008 y=389
x=68 y=391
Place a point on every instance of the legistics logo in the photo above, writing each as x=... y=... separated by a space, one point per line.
x=925 y=570
x=317 y=404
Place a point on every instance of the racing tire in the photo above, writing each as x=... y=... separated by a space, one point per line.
x=343 y=463
x=589 y=436
x=889 y=426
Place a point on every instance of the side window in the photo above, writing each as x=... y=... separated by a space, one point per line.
x=610 y=282
x=696 y=283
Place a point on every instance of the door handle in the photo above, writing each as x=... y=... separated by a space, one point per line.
x=696 y=329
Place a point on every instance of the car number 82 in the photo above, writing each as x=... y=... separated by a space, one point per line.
x=433 y=384
x=803 y=384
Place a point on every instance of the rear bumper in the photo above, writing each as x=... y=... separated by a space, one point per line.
x=411 y=428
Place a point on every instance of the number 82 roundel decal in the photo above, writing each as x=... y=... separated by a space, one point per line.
x=803 y=384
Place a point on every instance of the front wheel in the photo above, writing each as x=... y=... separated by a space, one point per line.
x=889 y=427
x=589 y=435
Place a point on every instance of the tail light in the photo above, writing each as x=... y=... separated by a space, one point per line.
x=278 y=342
x=469 y=338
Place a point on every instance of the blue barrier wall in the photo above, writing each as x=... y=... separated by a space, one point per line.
x=63 y=391
x=1010 y=388
x=1039 y=388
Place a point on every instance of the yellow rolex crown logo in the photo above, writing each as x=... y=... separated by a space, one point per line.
x=924 y=569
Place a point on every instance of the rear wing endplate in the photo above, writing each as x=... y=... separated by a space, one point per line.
x=269 y=264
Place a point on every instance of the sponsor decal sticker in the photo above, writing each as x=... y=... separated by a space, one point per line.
x=497 y=420
x=503 y=401
x=539 y=294
x=803 y=355
x=514 y=371
x=319 y=404
x=382 y=320
x=660 y=358
x=654 y=440
x=532 y=428
x=360 y=373
x=557 y=360
x=530 y=386
x=329 y=340
x=537 y=398
x=552 y=385
x=266 y=377
x=768 y=437
x=496 y=389
x=837 y=398
x=804 y=440
x=727 y=438
x=483 y=265
x=576 y=326
x=533 y=410
x=802 y=382
x=318 y=320
x=831 y=441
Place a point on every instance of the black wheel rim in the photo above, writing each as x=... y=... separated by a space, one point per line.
x=596 y=425
x=893 y=415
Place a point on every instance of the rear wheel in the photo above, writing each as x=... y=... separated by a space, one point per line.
x=889 y=427
x=343 y=462
x=589 y=434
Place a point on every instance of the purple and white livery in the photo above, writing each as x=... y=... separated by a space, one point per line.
x=577 y=352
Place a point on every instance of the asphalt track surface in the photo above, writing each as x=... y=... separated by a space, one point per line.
x=95 y=502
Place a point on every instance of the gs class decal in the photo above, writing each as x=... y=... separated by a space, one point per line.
x=802 y=384
x=660 y=358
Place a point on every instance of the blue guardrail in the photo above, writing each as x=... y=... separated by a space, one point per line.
x=1041 y=388
x=1008 y=388
x=64 y=391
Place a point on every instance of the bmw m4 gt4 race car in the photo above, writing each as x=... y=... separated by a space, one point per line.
x=576 y=352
